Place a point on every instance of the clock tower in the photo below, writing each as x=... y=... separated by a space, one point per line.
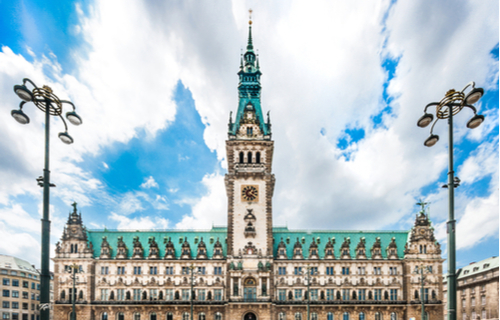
x=249 y=181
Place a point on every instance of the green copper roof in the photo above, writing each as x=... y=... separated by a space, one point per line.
x=478 y=267
x=177 y=237
x=321 y=238
x=210 y=237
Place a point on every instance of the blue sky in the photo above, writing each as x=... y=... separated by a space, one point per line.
x=155 y=97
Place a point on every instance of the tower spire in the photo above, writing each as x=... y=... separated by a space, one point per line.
x=250 y=44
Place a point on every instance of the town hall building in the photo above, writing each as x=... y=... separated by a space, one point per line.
x=249 y=270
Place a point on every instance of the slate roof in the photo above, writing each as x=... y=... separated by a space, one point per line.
x=211 y=236
x=478 y=267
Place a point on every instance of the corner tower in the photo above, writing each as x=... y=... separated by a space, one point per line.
x=249 y=181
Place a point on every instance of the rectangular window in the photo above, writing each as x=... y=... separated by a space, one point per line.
x=6 y=282
x=394 y=295
x=377 y=294
x=32 y=296
x=120 y=294
x=345 y=294
x=120 y=270
x=297 y=271
x=313 y=270
x=5 y=315
x=282 y=270
x=281 y=295
x=5 y=293
x=185 y=294
x=104 y=270
x=25 y=306
x=329 y=271
x=201 y=270
x=473 y=302
x=32 y=306
x=153 y=294
x=38 y=286
x=137 y=294
x=15 y=316
x=33 y=286
x=169 y=270
x=314 y=294
x=5 y=304
x=153 y=270
x=201 y=295
x=426 y=294
x=298 y=294
x=26 y=284
x=26 y=295
x=362 y=294
x=377 y=270
x=329 y=294
x=15 y=294
x=185 y=270
x=15 y=283
x=15 y=305
x=218 y=294
x=361 y=270
x=217 y=270
x=345 y=270
x=169 y=294
x=483 y=300
x=137 y=270
x=25 y=316
x=104 y=294
x=235 y=288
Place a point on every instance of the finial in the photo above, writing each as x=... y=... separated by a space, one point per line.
x=250 y=16
x=250 y=45
x=74 y=206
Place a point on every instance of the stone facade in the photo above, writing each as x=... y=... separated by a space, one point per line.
x=248 y=270
x=477 y=291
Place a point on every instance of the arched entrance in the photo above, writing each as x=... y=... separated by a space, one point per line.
x=250 y=316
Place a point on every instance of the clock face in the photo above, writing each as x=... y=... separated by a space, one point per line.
x=250 y=193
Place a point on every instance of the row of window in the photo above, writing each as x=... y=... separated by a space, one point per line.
x=168 y=270
x=15 y=294
x=155 y=294
x=250 y=158
x=484 y=315
x=331 y=271
x=15 y=316
x=22 y=274
x=473 y=301
x=155 y=316
x=345 y=316
x=343 y=294
x=15 y=305
x=15 y=283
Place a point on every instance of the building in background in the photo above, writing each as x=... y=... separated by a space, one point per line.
x=477 y=290
x=249 y=270
x=20 y=288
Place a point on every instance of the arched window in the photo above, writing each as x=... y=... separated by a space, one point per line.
x=144 y=295
x=249 y=156
x=76 y=248
x=329 y=316
x=152 y=316
x=416 y=294
x=120 y=316
x=434 y=297
x=354 y=295
x=201 y=316
x=378 y=316
x=63 y=295
x=361 y=316
x=394 y=316
x=241 y=157
x=170 y=316
x=345 y=316
x=425 y=249
x=137 y=316
x=218 y=316
x=104 y=316
x=421 y=251
x=80 y=295
x=281 y=316
x=257 y=157
x=314 y=316
x=370 y=295
x=386 y=295
x=298 y=316
x=185 y=316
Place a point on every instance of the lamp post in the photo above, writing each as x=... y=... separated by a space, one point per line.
x=72 y=270
x=191 y=268
x=420 y=270
x=452 y=103
x=49 y=103
x=309 y=273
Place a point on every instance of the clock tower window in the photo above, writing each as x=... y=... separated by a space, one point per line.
x=241 y=157
x=249 y=157
x=257 y=157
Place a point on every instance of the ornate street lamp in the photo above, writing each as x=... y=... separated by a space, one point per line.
x=452 y=103
x=422 y=270
x=73 y=270
x=50 y=104
x=193 y=283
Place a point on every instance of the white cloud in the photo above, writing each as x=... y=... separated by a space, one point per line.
x=131 y=203
x=149 y=183
x=139 y=223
